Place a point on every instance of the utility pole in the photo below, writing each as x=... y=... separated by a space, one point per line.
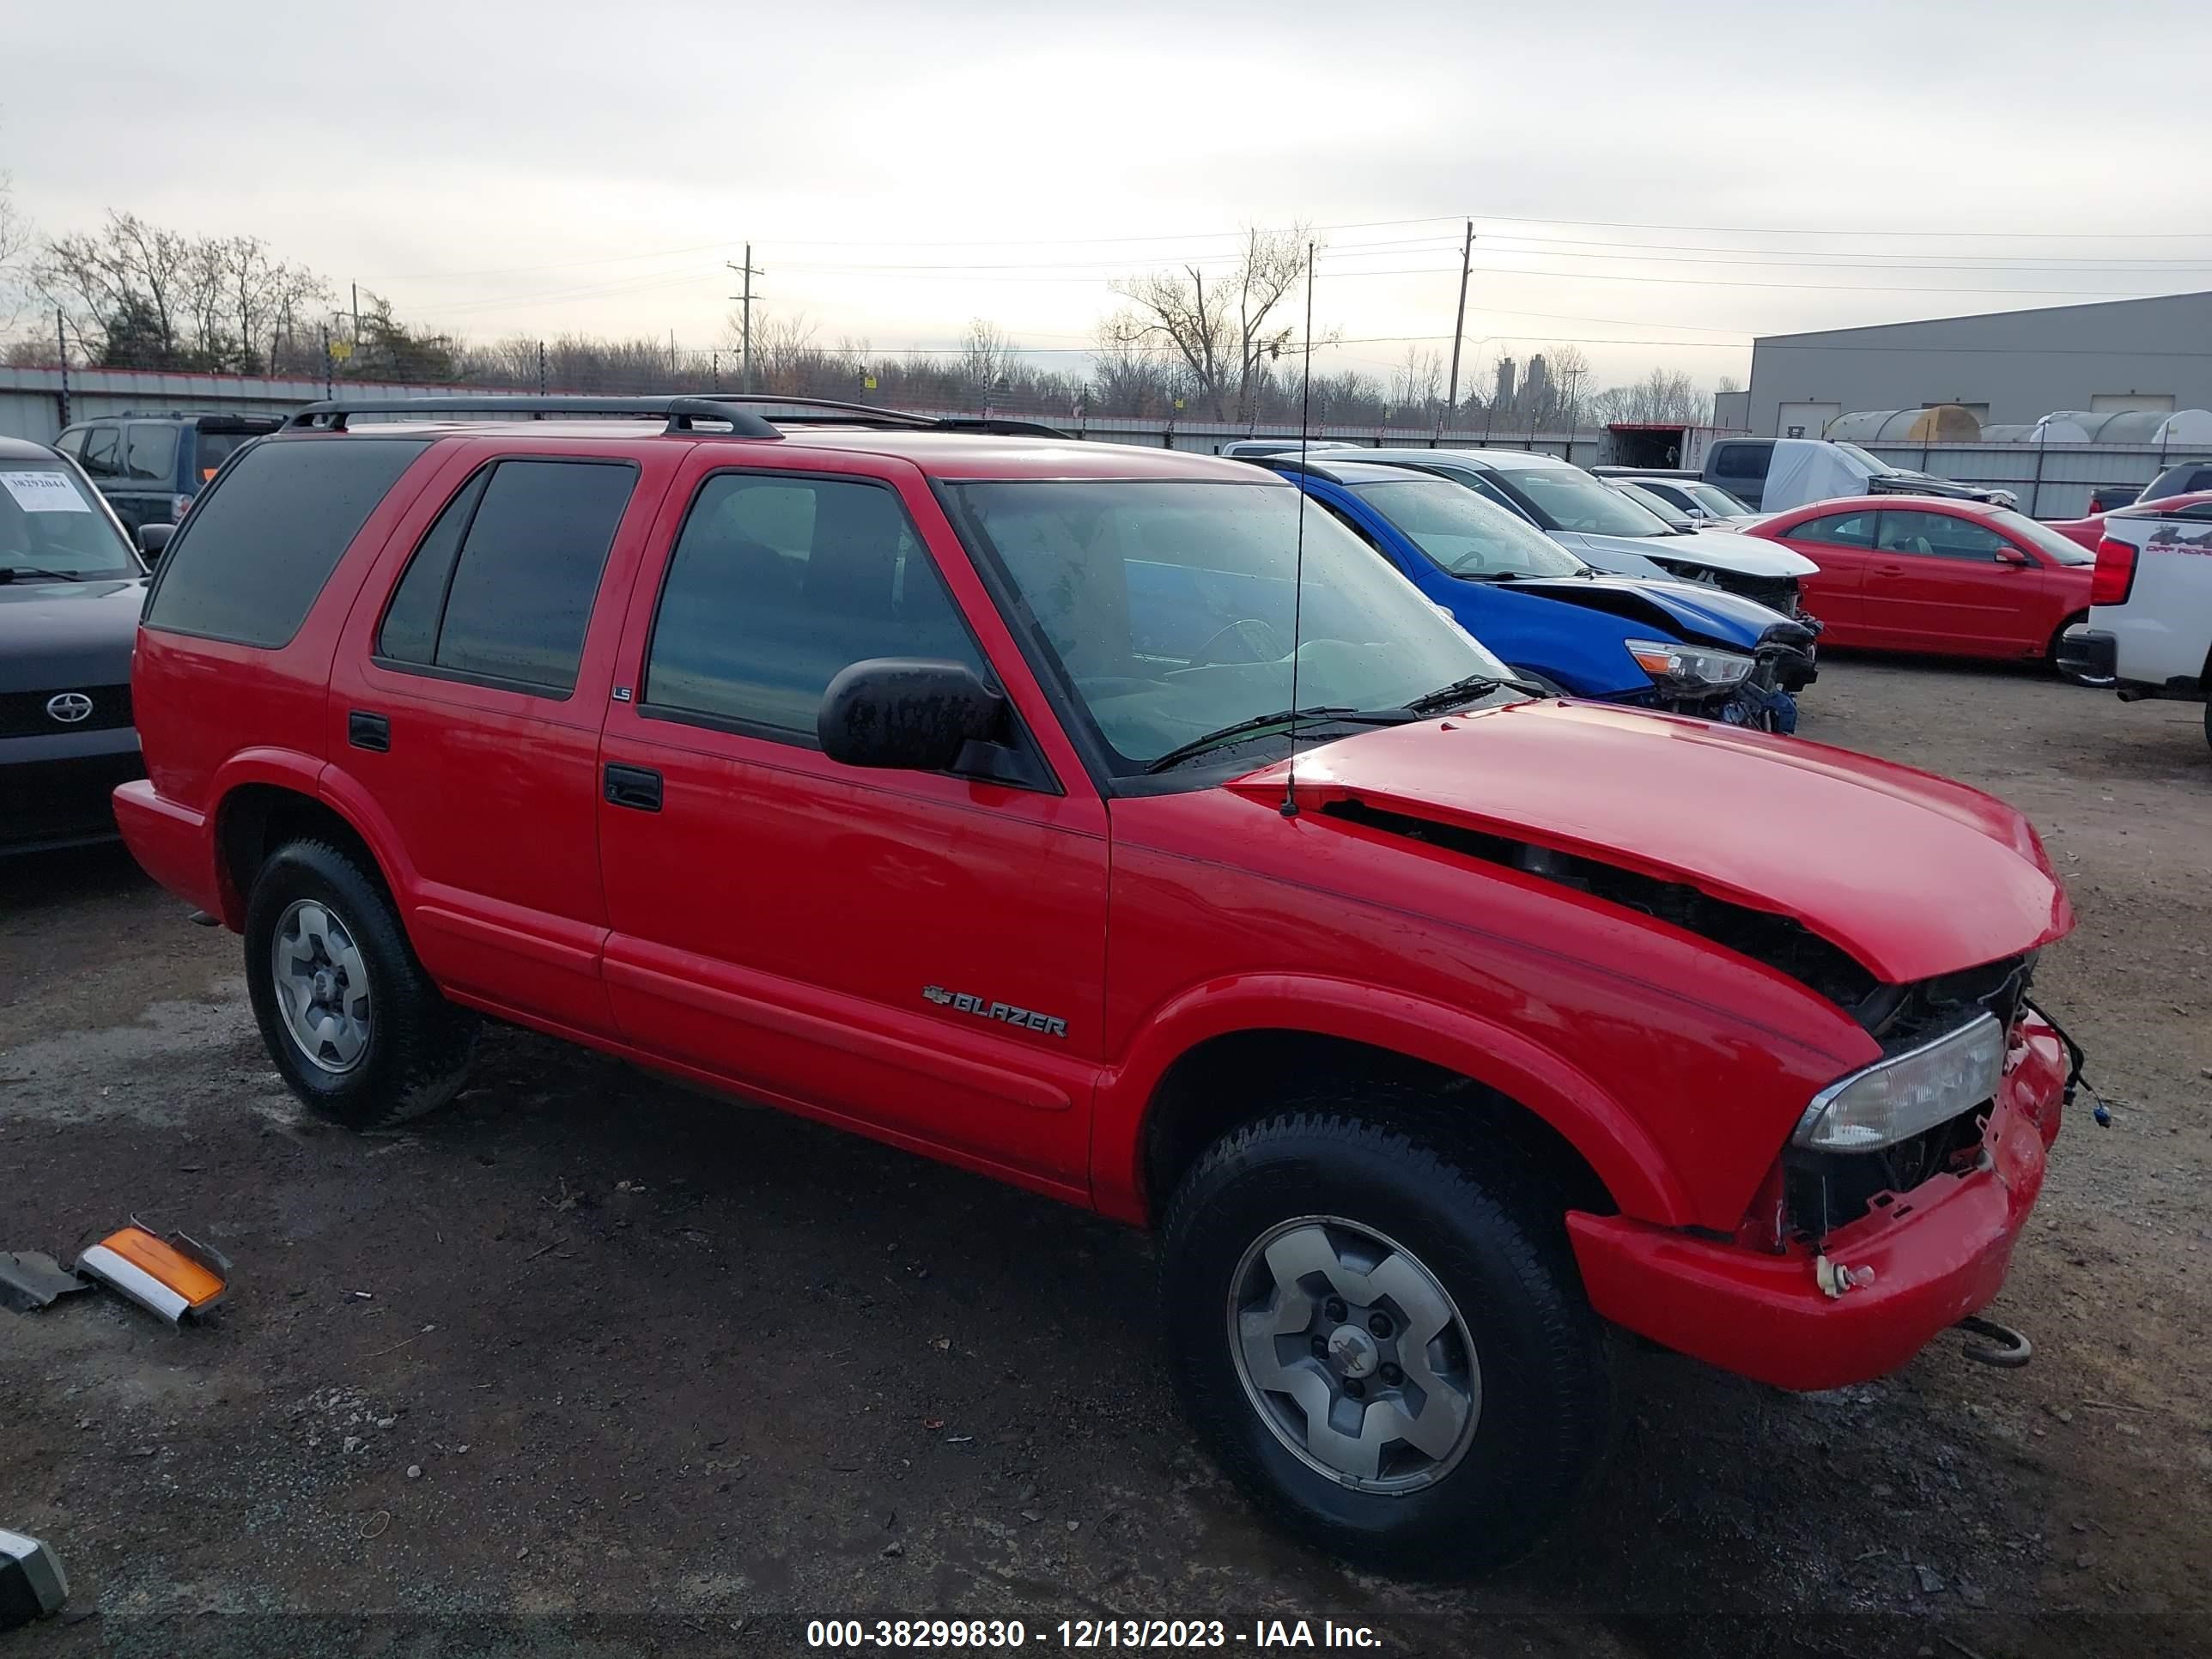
x=1459 y=323
x=748 y=272
x=61 y=343
x=356 y=313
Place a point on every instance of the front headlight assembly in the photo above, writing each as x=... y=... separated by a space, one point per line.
x=1691 y=670
x=1908 y=1094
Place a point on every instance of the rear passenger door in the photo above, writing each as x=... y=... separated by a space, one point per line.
x=918 y=954
x=466 y=705
x=1840 y=544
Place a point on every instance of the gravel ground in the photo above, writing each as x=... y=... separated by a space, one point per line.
x=592 y=1366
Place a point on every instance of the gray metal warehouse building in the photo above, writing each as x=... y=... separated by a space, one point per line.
x=2005 y=366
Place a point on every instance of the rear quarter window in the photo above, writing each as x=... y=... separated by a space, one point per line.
x=256 y=550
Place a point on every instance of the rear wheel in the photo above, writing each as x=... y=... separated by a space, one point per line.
x=353 y=1022
x=1392 y=1356
x=2050 y=652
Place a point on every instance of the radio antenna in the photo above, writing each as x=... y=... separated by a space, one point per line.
x=1290 y=808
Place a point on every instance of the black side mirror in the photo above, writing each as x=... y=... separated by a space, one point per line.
x=154 y=539
x=916 y=713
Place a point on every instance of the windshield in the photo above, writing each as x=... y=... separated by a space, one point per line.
x=1169 y=606
x=2058 y=549
x=1568 y=498
x=1652 y=502
x=1717 y=501
x=50 y=524
x=1874 y=460
x=1465 y=534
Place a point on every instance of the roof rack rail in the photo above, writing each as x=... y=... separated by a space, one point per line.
x=999 y=426
x=737 y=408
x=828 y=411
x=679 y=412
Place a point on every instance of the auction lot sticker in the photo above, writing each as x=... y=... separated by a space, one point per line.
x=44 y=492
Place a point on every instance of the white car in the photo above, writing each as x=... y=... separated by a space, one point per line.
x=1608 y=529
x=2149 y=631
x=1707 y=506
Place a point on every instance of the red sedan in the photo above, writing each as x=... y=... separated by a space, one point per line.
x=1917 y=573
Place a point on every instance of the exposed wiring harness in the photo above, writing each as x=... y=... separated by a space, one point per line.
x=2076 y=1058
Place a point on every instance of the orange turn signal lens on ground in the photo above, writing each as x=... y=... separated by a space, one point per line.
x=172 y=1277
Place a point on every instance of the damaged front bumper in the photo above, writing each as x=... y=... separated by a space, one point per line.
x=1894 y=1279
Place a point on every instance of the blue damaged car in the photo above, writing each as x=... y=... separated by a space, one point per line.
x=1651 y=641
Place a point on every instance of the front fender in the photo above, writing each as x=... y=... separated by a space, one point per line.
x=1545 y=1082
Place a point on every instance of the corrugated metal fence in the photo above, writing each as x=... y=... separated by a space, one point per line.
x=32 y=399
x=2052 y=481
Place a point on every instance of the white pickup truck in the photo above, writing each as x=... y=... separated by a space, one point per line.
x=2149 y=629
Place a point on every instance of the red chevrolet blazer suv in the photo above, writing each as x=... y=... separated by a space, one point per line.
x=1111 y=821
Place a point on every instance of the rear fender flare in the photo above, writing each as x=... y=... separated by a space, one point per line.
x=281 y=769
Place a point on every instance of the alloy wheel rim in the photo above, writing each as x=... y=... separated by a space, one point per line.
x=1354 y=1355
x=322 y=985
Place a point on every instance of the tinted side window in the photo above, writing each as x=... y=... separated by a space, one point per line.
x=1938 y=535
x=775 y=585
x=410 y=633
x=103 y=452
x=526 y=574
x=1741 y=461
x=71 y=443
x=255 y=552
x=1837 y=530
x=150 y=457
x=214 y=448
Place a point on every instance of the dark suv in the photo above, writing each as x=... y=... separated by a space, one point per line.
x=71 y=588
x=150 y=464
x=1111 y=821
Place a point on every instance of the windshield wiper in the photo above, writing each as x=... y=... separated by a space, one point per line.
x=1326 y=715
x=9 y=573
x=1466 y=691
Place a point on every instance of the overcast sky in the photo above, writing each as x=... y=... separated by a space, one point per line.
x=1657 y=183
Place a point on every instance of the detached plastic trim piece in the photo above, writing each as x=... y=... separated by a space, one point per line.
x=173 y=1277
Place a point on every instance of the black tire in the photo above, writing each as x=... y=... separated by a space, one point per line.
x=419 y=1044
x=1495 y=1244
x=2057 y=639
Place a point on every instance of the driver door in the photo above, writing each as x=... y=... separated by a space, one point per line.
x=922 y=956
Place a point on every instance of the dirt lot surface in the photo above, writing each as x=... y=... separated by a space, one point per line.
x=592 y=1365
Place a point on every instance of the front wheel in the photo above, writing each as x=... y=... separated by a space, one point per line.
x=1393 y=1357
x=354 y=1023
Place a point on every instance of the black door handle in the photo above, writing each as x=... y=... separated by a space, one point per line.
x=367 y=730
x=634 y=786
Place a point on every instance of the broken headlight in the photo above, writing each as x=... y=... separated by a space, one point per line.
x=1688 y=669
x=1897 y=1098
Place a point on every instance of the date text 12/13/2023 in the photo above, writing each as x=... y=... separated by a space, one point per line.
x=856 y=1634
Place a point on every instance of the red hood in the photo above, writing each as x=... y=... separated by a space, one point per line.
x=1912 y=874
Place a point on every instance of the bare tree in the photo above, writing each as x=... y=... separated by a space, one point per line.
x=15 y=243
x=1417 y=386
x=985 y=358
x=1218 y=328
x=1570 y=373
